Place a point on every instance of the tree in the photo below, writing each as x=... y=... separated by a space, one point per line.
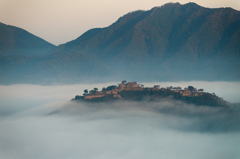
x=179 y=88
x=95 y=89
x=85 y=91
x=124 y=82
x=109 y=88
x=200 y=90
x=156 y=86
x=191 y=88
x=103 y=89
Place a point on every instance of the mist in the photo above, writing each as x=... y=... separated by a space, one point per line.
x=42 y=122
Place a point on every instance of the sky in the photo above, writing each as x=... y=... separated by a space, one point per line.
x=60 y=21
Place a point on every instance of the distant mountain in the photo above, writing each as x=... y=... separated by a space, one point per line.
x=53 y=70
x=16 y=41
x=172 y=41
x=168 y=43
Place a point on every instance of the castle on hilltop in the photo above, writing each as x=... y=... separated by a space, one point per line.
x=114 y=90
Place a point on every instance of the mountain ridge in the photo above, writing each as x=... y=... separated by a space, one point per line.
x=17 y=41
x=193 y=33
x=168 y=43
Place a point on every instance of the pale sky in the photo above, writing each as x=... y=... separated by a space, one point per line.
x=60 y=21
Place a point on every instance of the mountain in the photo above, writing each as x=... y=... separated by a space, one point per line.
x=168 y=43
x=16 y=41
x=20 y=53
x=52 y=70
x=178 y=41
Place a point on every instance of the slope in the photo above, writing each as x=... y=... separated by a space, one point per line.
x=176 y=41
x=16 y=41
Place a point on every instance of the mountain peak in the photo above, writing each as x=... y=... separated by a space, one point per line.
x=17 y=41
x=171 y=4
x=165 y=37
x=171 y=42
x=192 y=4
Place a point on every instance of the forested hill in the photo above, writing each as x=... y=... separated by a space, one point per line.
x=177 y=41
x=17 y=41
x=169 y=29
x=173 y=42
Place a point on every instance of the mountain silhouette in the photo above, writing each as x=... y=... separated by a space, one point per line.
x=168 y=43
x=16 y=41
x=173 y=39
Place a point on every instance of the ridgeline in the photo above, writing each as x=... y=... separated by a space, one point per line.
x=172 y=42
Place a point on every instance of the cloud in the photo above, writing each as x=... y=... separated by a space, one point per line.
x=53 y=128
x=167 y=112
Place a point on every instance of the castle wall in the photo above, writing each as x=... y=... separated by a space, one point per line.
x=93 y=96
x=112 y=92
x=133 y=86
x=133 y=89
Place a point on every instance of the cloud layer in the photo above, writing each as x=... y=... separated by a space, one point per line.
x=49 y=126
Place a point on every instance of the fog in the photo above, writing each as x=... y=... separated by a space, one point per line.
x=41 y=122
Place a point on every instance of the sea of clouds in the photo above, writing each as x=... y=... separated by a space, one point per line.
x=42 y=122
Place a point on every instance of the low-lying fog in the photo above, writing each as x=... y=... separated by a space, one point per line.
x=41 y=122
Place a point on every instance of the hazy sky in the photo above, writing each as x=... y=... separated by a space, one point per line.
x=59 y=21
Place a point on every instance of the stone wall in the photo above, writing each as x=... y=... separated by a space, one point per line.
x=93 y=96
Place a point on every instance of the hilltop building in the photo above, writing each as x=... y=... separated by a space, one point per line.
x=133 y=86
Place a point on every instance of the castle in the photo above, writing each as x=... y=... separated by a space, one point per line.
x=133 y=86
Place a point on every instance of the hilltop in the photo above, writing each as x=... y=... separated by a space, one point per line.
x=131 y=91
